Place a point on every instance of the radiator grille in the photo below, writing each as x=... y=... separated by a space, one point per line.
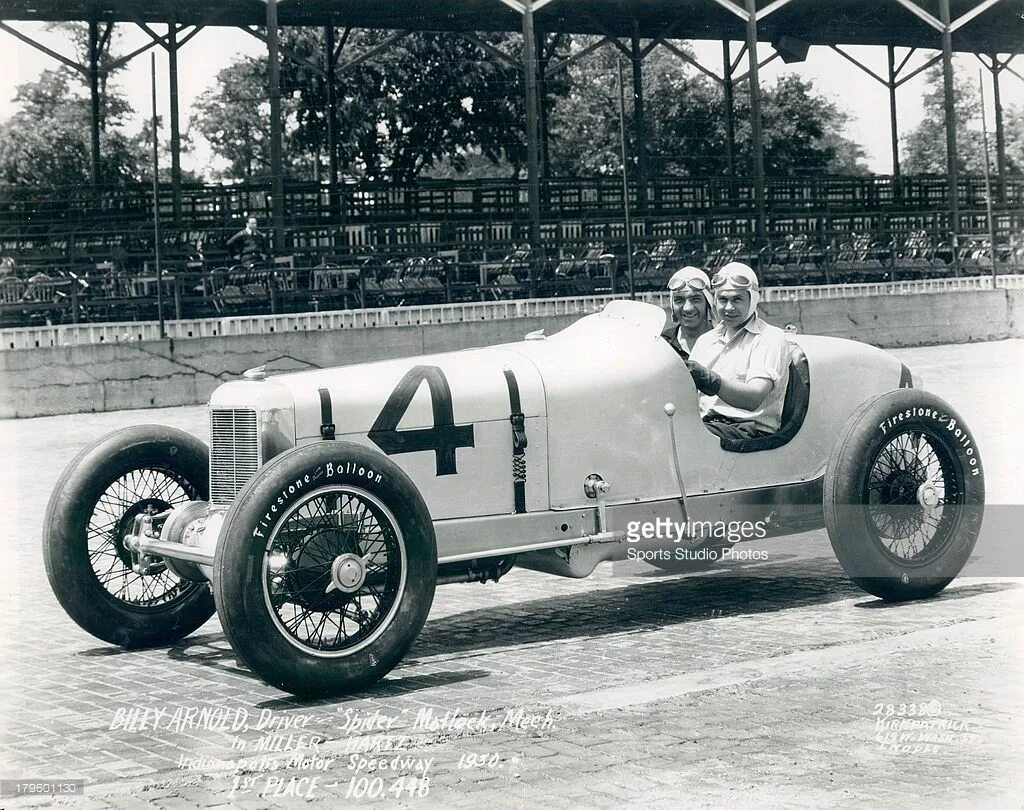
x=234 y=452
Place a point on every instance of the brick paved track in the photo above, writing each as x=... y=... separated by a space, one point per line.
x=754 y=684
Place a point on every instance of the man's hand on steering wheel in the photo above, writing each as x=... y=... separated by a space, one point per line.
x=706 y=380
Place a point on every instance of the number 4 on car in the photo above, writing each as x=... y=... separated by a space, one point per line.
x=331 y=503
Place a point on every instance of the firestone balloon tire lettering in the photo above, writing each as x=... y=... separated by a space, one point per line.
x=326 y=595
x=904 y=495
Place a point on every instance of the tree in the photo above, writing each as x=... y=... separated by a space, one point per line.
x=46 y=143
x=234 y=117
x=429 y=101
x=1013 y=123
x=686 y=126
x=924 y=149
x=803 y=132
x=584 y=125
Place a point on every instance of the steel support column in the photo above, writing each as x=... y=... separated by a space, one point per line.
x=274 y=92
x=532 y=145
x=730 y=111
x=157 y=235
x=893 y=128
x=542 y=107
x=639 y=121
x=757 y=136
x=332 y=121
x=172 y=69
x=1000 y=131
x=94 y=99
x=952 y=174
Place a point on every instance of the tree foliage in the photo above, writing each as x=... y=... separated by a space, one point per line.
x=924 y=148
x=234 y=117
x=1014 y=132
x=47 y=142
x=426 y=99
x=428 y=102
x=686 y=125
x=803 y=132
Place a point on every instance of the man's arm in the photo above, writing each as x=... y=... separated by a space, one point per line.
x=746 y=395
x=769 y=359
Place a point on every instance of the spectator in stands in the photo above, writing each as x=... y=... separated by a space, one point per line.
x=741 y=366
x=249 y=244
x=692 y=306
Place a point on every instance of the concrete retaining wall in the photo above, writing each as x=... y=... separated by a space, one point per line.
x=107 y=377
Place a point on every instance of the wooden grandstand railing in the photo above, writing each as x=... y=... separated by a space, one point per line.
x=30 y=214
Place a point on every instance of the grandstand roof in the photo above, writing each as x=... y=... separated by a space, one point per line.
x=999 y=27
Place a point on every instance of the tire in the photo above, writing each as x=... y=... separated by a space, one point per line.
x=895 y=536
x=92 y=508
x=280 y=548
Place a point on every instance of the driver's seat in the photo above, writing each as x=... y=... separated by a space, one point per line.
x=794 y=409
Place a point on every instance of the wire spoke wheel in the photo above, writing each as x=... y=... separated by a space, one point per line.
x=913 y=488
x=325 y=569
x=904 y=495
x=323 y=536
x=131 y=473
x=144 y=491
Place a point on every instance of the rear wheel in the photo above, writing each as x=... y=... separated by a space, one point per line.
x=904 y=495
x=140 y=470
x=325 y=569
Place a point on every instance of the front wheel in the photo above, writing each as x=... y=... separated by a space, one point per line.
x=904 y=495
x=139 y=470
x=325 y=569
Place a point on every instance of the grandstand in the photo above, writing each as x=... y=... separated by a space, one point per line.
x=89 y=254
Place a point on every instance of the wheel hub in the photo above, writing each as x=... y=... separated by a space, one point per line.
x=323 y=572
x=903 y=488
x=928 y=495
x=348 y=573
x=335 y=570
x=126 y=526
x=910 y=485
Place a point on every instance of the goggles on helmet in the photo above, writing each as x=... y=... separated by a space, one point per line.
x=694 y=283
x=720 y=279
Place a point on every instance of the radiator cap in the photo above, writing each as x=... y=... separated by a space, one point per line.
x=255 y=374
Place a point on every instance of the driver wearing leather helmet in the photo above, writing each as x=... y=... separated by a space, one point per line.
x=692 y=307
x=740 y=366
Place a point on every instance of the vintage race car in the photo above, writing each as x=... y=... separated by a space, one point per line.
x=330 y=503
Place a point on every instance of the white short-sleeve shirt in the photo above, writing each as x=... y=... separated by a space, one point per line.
x=758 y=351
